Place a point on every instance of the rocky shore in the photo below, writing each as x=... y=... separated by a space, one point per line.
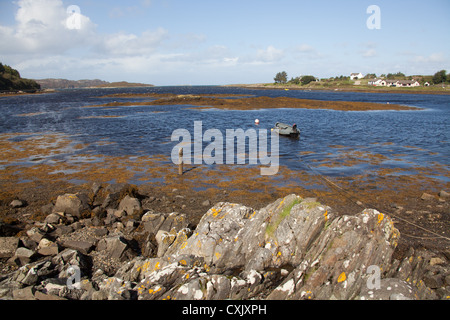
x=108 y=243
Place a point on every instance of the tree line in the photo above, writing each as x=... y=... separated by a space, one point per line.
x=438 y=78
x=281 y=77
x=10 y=80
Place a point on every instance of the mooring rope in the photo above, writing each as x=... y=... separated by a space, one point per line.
x=364 y=205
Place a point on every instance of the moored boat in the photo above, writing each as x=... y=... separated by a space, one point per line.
x=287 y=130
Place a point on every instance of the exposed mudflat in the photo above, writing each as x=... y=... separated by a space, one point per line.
x=389 y=191
x=239 y=102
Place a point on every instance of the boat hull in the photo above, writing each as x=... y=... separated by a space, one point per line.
x=286 y=130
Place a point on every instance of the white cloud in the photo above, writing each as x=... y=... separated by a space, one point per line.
x=270 y=54
x=304 y=48
x=369 y=50
x=130 y=44
x=432 y=58
x=369 y=53
x=41 y=27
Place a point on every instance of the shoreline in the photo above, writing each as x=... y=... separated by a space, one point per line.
x=368 y=89
x=122 y=242
x=249 y=102
x=40 y=181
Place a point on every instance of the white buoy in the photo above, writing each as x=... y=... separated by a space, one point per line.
x=257 y=121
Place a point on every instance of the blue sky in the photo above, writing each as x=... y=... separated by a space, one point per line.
x=173 y=42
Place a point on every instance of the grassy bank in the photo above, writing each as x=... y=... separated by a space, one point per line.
x=347 y=86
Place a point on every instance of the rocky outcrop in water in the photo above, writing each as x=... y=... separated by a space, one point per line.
x=105 y=245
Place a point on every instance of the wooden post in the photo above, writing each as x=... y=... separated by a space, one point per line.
x=180 y=159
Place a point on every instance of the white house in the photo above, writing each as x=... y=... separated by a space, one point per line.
x=393 y=83
x=377 y=82
x=408 y=83
x=356 y=76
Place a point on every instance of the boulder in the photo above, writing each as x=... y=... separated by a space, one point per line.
x=164 y=239
x=427 y=197
x=114 y=247
x=82 y=246
x=111 y=196
x=54 y=218
x=336 y=264
x=73 y=204
x=23 y=256
x=130 y=205
x=443 y=194
x=8 y=246
x=26 y=293
x=47 y=247
x=18 y=203
x=234 y=236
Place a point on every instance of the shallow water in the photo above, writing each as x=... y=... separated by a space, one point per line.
x=335 y=143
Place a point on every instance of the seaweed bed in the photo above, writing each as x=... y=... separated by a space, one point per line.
x=32 y=171
x=242 y=102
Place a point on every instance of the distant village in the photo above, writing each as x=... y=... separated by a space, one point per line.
x=399 y=79
x=382 y=82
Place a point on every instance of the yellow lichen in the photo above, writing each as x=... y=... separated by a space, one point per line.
x=342 y=277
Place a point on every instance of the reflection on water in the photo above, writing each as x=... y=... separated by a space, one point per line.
x=336 y=143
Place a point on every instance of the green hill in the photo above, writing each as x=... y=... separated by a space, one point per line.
x=10 y=80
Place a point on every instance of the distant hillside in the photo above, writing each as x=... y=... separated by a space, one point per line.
x=69 y=84
x=123 y=84
x=10 y=80
x=96 y=83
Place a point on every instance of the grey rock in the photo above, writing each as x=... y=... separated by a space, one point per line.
x=443 y=194
x=130 y=205
x=8 y=246
x=234 y=236
x=26 y=293
x=35 y=234
x=47 y=209
x=73 y=204
x=433 y=281
x=336 y=263
x=164 y=239
x=83 y=246
x=50 y=297
x=206 y=203
x=389 y=289
x=152 y=222
x=427 y=197
x=17 y=203
x=114 y=247
x=54 y=218
x=175 y=221
x=24 y=255
x=47 y=248
x=113 y=194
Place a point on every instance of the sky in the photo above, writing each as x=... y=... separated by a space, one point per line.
x=212 y=42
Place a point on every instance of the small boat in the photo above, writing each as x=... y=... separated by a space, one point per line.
x=287 y=130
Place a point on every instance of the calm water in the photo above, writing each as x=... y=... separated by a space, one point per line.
x=404 y=139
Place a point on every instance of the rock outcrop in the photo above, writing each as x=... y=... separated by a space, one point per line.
x=108 y=246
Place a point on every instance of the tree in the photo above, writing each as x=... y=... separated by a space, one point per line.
x=281 y=77
x=439 y=77
x=307 y=79
x=295 y=80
